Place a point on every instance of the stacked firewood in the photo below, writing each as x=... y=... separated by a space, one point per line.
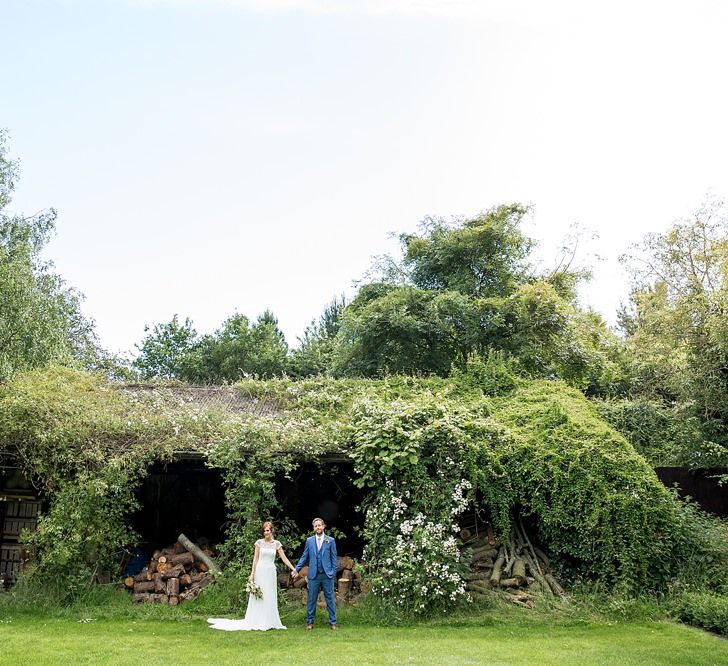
x=347 y=580
x=174 y=574
x=517 y=568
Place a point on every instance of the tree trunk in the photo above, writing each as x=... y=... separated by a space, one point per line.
x=301 y=580
x=477 y=575
x=519 y=570
x=498 y=568
x=511 y=582
x=343 y=589
x=199 y=554
x=555 y=587
x=484 y=552
x=344 y=563
x=478 y=586
x=144 y=575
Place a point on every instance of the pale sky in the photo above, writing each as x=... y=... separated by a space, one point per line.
x=208 y=157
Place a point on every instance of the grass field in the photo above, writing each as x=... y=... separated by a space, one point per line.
x=103 y=627
x=37 y=640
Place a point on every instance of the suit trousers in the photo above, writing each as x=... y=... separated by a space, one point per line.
x=321 y=581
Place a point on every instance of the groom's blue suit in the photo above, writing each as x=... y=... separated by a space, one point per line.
x=321 y=572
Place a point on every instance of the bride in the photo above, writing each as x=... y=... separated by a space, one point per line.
x=262 y=612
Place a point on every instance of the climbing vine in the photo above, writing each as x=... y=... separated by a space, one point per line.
x=425 y=451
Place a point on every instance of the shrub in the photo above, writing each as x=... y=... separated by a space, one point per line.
x=599 y=506
x=665 y=434
x=702 y=609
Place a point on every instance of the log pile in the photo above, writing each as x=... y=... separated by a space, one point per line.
x=174 y=574
x=348 y=581
x=517 y=568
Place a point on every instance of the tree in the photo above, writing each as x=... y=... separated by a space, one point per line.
x=676 y=324
x=40 y=317
x=465 y=288
x=401 y=329
x=163 y=352
x=268 y=347
x=479 y=257
x=237 y=349
x=316 y=348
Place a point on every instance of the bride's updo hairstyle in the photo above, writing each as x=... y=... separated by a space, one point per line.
x=267 y=523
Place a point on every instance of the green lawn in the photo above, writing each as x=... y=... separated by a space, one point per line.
x=30 y=640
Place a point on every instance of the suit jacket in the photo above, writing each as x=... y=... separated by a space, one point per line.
x=312 y=555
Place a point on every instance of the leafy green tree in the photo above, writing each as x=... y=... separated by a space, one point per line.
x=401 y=329
x=237 y=349
x=465 y=288
x=676 y=332
x=40 y=317
x=482 y=256
x=163 y=352
x=315 y=352
x=677 y=326
x=269 y=350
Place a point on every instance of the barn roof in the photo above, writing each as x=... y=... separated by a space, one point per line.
x=225 y=398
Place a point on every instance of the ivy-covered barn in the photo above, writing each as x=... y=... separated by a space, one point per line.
x=396 y=466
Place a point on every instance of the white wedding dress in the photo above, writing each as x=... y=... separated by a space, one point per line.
x=262 y=613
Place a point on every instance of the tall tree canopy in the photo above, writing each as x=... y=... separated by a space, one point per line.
x=163 y=351
x=481 y=256
x=675 y=364
x=677 y=322
x=40 y=317
x=463 y=288
x=316 y=349
x=237 y=348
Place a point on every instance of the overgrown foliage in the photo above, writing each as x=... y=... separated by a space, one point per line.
x=677 y=332
x=425 y=449
x=479 y=257
x=461 y=287
x=702 y=608
x=665 y=433
x=316 y=350
x=87 y=445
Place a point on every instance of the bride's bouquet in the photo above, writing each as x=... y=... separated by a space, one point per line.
x=253 y=589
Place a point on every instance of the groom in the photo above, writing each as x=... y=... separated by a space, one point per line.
x=320 y=555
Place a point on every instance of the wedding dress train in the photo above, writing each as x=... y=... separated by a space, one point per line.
x=261 y=614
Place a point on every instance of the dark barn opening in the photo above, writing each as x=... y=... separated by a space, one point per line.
x=188 y=497
x=19 y=509
x=325 y=491
x=184 y=496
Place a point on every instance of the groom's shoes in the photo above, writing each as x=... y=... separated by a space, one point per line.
x=309 y=627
